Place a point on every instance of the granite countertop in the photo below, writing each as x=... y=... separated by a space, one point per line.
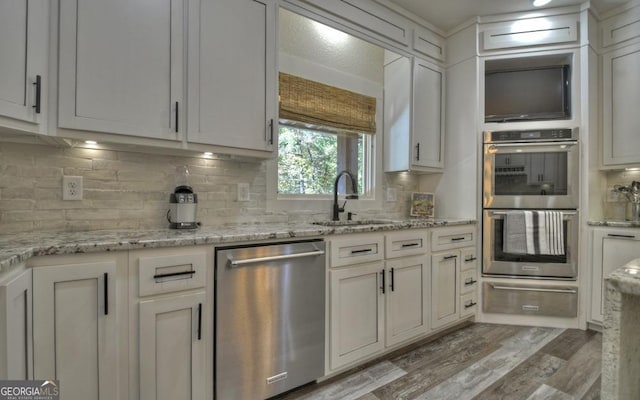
x=15 y=249
x=627 y=279
x=615 y=224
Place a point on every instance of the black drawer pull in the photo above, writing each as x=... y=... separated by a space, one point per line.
x=410 y=245
x=382 y=275
x=392 y=287
x=177 y=117
x=106 y=293
x=470 y=259
x=38 y=101
x=158 y=276
x=621 y=236
x=470 y=305
x=457 y=239
x=470 y=282
x=199 y=321
x=361 y=251
x=449 y=257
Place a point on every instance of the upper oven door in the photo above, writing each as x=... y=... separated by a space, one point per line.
x=536 y=175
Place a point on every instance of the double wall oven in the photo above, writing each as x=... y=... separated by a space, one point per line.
x=534 y=170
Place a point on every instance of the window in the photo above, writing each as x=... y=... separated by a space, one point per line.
x=310 y=159
x=323 y=130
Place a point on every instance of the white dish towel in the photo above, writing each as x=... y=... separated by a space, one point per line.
x=533 y=232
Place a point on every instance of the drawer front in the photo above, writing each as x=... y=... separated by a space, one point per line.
x=469 y=260
x=531 y=32
x=621 y=27
x=452 y=238
x=350 y=250
x=552 y=301
x=428 y=43
x=468 y=281
x=167 y=274
x=468 y=304
x=409 y=243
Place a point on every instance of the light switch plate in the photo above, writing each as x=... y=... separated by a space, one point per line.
x=243 y=191
x=391 y=194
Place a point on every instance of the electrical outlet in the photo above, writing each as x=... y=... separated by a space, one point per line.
x=243 y=191
x=71 y=188
x=391 y=194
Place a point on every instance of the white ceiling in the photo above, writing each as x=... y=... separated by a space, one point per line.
x=447 y=14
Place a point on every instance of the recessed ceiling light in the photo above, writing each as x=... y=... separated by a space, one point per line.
x=90 y=142
x=632 y=169
x=540 y=3
x=208 y=154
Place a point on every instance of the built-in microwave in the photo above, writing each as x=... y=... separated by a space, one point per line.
x=531 y=169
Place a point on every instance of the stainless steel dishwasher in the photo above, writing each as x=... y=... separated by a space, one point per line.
x=269 y=322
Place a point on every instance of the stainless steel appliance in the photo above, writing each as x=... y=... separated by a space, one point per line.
x=183 y=202
x=524 y=299
x=533 y=169
x=270 y=318
x=498 y=263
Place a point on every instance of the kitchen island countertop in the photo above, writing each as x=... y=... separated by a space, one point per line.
x=15 y=249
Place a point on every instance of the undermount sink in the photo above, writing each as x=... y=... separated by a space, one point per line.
x=352 y=223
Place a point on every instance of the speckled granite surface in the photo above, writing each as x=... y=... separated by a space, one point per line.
x=621 y=342
x=15 y=249
x=615 y=224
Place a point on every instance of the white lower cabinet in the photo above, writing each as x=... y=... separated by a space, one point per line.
x=16 y=352
x=611 y=250
x=406 y=296
x=356 y=313
x=445 y=294
x=75 y=330
x=172 y=350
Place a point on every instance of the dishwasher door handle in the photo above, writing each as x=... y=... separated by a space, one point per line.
x=238 y=263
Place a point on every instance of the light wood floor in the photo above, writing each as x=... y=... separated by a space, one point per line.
x=479 y=361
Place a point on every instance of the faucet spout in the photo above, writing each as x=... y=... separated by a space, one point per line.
x=354 y=189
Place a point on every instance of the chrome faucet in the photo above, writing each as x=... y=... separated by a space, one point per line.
x=354 y=196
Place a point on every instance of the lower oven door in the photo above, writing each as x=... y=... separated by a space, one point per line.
x=497 y=262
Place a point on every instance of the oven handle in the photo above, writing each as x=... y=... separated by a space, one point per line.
x=532 y=144
x=506 y=212
x=530 y=289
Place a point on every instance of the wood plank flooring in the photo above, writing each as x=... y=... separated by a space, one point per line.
x=479 y=362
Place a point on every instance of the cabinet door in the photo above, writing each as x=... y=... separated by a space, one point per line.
x=232 y=76
x=428 y=115
x=445 y=299
x=407 y=298
x=121 y=67
x=621 y=96
x=74 y=328
x=16 y=350
x=356 y=313
x=23 y=45
x=172 y=349
x=612 y=250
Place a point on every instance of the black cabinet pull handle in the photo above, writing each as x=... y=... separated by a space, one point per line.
x=38 y=84
x=470 y=305
x=449 y=257
x=382 y=275
x=177 y=117
x=410 y=244
x=470 y=259
x=158 y=276
x=106 y=293
x=418 y=151
x=199 y=321
x=270 y=140
x=361 y=251
x=621 y=236
x=455 y=239
x=469 y=283
x=392 y=280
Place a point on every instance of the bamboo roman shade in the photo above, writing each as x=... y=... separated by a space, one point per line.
x=311 y=102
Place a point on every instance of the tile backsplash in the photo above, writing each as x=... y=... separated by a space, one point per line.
x=615 y=206
x=130 y=190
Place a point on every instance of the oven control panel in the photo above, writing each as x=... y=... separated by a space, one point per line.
x=531 y=135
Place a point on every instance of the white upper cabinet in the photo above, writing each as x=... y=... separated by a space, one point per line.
x=23 y=63
x=413 y=116
x=121 y=67
x=621 y=96
x=232 y=78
